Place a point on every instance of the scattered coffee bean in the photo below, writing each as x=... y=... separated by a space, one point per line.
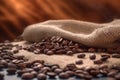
x=98 y=62
x=11 y=71
x=27 y=76
x=81 y=55
x=50 y=52
x=92 y=56
x=63 y=75
x=69 y=53
x=115 y=55
x=79 y=62
x=91 y=50
x=57 y=71
x=117 y=76
x=41 y=76
x=105 y=58
x=51 y=74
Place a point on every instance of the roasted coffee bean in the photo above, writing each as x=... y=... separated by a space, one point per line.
x=34 y=73
x=11 y=65
x=115 y=55
x=58 y=70
x=105 y=55
x=112 y=73
x=117 y=76
x=91 y=50
x=11 y=71
x=103 y=66
x=69 y=53
x=70 y=73
x=88 y=77
x=80 y=75
x=27 y=76
x=1 y=76
x=51 y=74
x=63 y=75
x=81 y=55
x=78 y=62
x=71 y=66
x=105 y=58
x=92 y=56
x=41 y=76
x=50 y=52
x=94 y=72
x=98 y=62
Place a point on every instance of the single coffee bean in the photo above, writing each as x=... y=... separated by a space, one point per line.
x=51 y=74
x=50 y=52
x=63 y=75
x=117 y=76
x=105 y=55
x=94 y=72
x=11 y=65
x=69 y=53
x=70 y=73
x=11 y=71
x=41 y=76
x=115 y=55
x=80 y=75
x=79 y=62
x=58 y=70
x=112 y=73
x=81 y=55
x=91 y=50
x=105 y=58
x=98 y=62
x=27 y=76
x=92 y=56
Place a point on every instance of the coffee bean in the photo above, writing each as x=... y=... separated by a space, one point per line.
x=80 y=75
x=105 y=55
x=41 y=76
x=58 y=70
x=70 y=73
x=81 y=55
x=98 y=62
x=63 y=75
x=50 y=52
x=51 y=74
x=71 y=66
x=11 y=71
x=79 y=62
x=27 y=76
x=103 y=66
x=11 y=65
x=117 y=76
x=91 y=50
x=94 y=72
x=92 y=56
x=69 y=53
x=104 y=58
x=115 y=55
x=34 y=73
x=112 y=73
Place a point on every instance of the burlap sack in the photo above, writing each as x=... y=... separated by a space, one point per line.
x=87 y=33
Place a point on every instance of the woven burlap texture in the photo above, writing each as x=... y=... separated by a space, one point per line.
x=87 y=33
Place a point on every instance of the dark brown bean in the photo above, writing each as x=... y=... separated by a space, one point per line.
x=92 y=56
x=50 y=52
x=69 y=53
x=98 y=62
x=115 y=55
x=27 y=76
x=58 y=70
x=11 y=71
x=81 y=55
x=78 y=62
x=63 y=75
x=51 y=74
x=41 y=76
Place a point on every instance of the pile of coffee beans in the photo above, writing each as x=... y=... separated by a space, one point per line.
x=39 y=69
x=59 y=45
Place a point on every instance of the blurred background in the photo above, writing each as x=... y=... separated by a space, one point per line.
x=15 y=15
